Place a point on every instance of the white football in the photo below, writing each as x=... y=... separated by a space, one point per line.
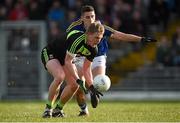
x=102 y=83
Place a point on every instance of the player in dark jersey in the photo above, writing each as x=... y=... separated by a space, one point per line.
x=57 y=58
x=99 y=62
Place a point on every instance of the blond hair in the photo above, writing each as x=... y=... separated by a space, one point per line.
x=95 y=27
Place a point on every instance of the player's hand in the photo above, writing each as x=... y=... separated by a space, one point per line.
x=145 y=40
x=82 y=85
x=95 y=95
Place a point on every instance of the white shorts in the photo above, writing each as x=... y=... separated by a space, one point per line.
x=97 y=61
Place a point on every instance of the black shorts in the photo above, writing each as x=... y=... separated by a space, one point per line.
x=48 y=54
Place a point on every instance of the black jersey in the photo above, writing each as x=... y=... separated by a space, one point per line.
x=103 y=45
x=75 y=43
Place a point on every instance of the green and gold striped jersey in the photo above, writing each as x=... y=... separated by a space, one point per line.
x=75 y=43
x=103 y=45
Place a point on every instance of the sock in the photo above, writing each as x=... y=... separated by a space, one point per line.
x=60 y=105
x=48 y=104
x=83 y=107
x=55 y=104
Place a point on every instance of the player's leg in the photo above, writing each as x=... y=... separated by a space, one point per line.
x=78 y=60
x=57 y=112
x=81 y=97
x=81 y=100
x=55 y=69
x=68 y=92
x=57 y=96
x=98 y=67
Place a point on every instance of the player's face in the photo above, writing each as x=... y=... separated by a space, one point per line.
x=88 y=18
x=95 y=38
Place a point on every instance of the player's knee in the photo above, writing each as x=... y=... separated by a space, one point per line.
x=59 y=78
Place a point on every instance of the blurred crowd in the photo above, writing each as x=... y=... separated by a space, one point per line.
x=140 y=17
x=168 y=50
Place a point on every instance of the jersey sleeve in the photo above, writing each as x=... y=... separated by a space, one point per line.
x=74 y=43
x=76 y=25
x=108 y=31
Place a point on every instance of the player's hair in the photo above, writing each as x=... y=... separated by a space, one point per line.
x=86 y=8
x=95 y=27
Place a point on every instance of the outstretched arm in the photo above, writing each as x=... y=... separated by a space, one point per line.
x=120 y=36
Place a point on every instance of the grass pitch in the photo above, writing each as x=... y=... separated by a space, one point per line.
x=107 y=111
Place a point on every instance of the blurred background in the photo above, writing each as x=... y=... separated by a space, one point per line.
x=137 y=72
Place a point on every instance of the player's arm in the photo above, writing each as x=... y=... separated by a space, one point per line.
x=131 y=38
x=87 y=72
x=120 y=36
x=71 y=67
x=94 y=93
x=73 y=25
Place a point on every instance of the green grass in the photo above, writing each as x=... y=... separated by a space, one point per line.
x=105 y=112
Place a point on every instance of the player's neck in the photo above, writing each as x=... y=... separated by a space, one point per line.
x=86 y=27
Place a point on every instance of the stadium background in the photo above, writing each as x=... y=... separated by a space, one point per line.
x=137 y=72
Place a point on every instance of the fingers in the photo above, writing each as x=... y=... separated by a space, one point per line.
x=147 y=39
x=94 y=100
x=151 y=39
x=100 y=93
x=154 y=40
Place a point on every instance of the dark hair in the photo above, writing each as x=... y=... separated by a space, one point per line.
x=86 y=8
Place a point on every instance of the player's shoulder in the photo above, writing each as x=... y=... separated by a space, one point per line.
x=74 y=24
x=79 y=33
x=75 y=34
x=106 y=27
